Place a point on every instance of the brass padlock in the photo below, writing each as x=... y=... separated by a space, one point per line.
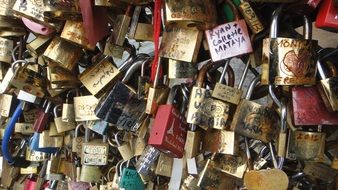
x=37 y=46
x=221 y=141
x=288 y=61
x=63 y=53
x=77 y=141
x=164 y=165
x=6 y=103
x=6 y=48
x=139 y=30
x=62 y=126
x=94 y=152
x=24 y=128
x=120 y=27
x=46 y=141
x=181 y=44
x=61 y=10
x=124 y=148
x=251 y=17
x=187 y=13
x=73 y=31
x=68 y=112
x=181 y=69
x=254 y=120
x=53 y=130
x=6 y=8
x=269 y=179
x=90 y=174
x=100 y=77
x=193 y=142
x=84 y=107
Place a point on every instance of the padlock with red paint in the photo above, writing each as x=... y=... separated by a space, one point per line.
x=42 y=117
x=30 y=184
x=327 y=17
x=169 y=129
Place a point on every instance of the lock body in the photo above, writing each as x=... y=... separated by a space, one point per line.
x=329 y=93
x=169 y=131
x=95 y=153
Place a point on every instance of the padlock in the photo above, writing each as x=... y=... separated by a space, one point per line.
x=28 y=80
x=121 y=106
x=143 y=81
x=99 y=126
x=327 y=15
x=60 y=10
x=37 y=46
x=158 y=93
x=24 y=128
x=193 y=142
x=229 y=39
x=130 y=178
x=94 y=152
x=68 y=112
x=306 y=145
x=100 y=77
x=251 y=17
x=60 y=77
x=140 y=30
x=35 y=141
x=53 y=131
x=164 y=165
x=73 y=31
x=146 y=160
x=6 y=8
x=254 y=120
x=181 y=44
x=288 y=61
x=169 y=129
x=62 y=126
x=124 y=148
x=64 y=53
x=309 y=108
x=320 y=171
x=220 y=141
x=46 y=141
x=35 y=156
x=203 y=110
x=120 y=27
x=181 y=69
x=190 y=14
x=84 y=107
x=6 y=48
x=228 y=93
x=43 y=117
x=212 y=178
x=7 y=103
x=234 y=166
x=90 y=174
x=328 y=89
x=77 y=141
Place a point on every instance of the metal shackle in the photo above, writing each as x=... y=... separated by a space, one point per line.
x=252 y=86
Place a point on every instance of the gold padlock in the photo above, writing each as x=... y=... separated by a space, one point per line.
x=99 y=77
x=63 y=53
x=6 y=48
x=53 y=132
x=5 y=104
x=138 y=30
x=61 y=10
x=37 y=46
x=60 y=125
x=164 y=165
x=220 y=141
x=47 y=141
x=181 y=44
x=73 y=31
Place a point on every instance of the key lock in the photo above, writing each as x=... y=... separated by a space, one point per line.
x=77 y=141
x=253 y=120
x=140 y=30
x=123 y=147
x=289 y=61
x=269 y=178
x=129 y=178
x=62 y=126
x=94 y=152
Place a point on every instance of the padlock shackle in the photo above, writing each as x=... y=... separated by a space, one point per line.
x=55 y=109
x=139 y=61
x=234 y=9
x=17 y=62
x=273 y=96
x=227 y=63
x=202 y=73
x=173 y=94
x=252 y=86
x=77 y=128
x=307 y=25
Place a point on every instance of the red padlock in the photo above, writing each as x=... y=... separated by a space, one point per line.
x=29 y=184
x=43 y=116
x=309 y=107
x=169 y=130
x=327 y=17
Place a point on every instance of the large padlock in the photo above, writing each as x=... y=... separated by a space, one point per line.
x=288 y=61
x=203 y=110
x=181 y=44
x=62 y=126
x=254 y=120
x=229 y=39
x=121 y=106
x=94 y=152
x=169 y=129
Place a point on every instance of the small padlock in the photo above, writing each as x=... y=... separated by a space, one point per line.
x=251 y=17
x=146 y=160
x=120 y=28
x=73 y=31
x=193 y=142
x=77 y=141
x=124 y=148
x=130 y=178
x=7 y=103
x=94 y=152
x=140 y=30
x=254 y=120
x=288 y=61
x=164 y=165
x=229 y=39
x=6 y=47
x=34 y=144
x=84 y=107
x=60 y=125
x=90 y=174
x=68 y=112
x=42 y=117
x=64 y=53
x=158 y=93
x=328 y=89
x=46 y=141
